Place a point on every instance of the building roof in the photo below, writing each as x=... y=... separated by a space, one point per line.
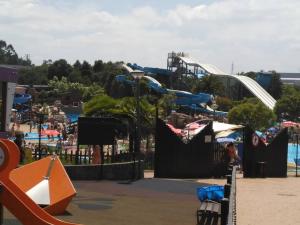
x=8 y=73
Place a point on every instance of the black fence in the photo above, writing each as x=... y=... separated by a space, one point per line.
x=66 y=156
x=261 y=160
x=231 y=204
x=200 y=157
x=85 y=157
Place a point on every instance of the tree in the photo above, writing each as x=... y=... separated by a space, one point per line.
x=86 y=70
x=275 y=87
x=77 y=65
x=209 y=84
x=34 y=75
x=60 y=68
x=288 y=106
x=75 y=76
x=166 y=104
x=98 y=66
x=257 y=116
x=8 y=55
x=224 y=103
x=64 y=87
x=105 y=105
x=250 y=74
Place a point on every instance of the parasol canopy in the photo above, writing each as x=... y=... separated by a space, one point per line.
x=289 y=124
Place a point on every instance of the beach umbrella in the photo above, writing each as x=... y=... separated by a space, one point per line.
x=260 y=134
x=193 y=126
x=272 y=129
x=50 y=132
x=288 y=124
x=175 y=130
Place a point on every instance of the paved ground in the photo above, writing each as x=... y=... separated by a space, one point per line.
x=149 y=201
x=165 y=202
x=268 y=201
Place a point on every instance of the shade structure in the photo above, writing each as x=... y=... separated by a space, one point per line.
x=46 y=183
x=289 y=124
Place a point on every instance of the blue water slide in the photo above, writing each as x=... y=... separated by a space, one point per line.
x=183 y=98
x=202 y=109
x=150 y=70
x=21 y=99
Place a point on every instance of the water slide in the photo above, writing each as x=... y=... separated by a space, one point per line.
x=195 y=102
x=150 y=70
x=13 y=198
x=249 y=83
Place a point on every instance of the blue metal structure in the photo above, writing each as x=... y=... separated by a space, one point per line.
x=194 y=102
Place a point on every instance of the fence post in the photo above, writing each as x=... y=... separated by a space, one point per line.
x=80 y=157
x=224 y=210
x=229 y=179
x=89 y=153
x=66 y=155
x=35 y=154
x=227 y=188
x=85 y=155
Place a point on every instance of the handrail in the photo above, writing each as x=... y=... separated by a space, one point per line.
x=231 y=219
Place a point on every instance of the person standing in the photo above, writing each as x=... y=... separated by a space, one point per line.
x=96 y=159
x=232 y=153
x=19 y=142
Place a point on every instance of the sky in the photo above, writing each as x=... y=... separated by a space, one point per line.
x=254 y=35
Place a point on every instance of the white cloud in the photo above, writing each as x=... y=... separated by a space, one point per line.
x=254 y=34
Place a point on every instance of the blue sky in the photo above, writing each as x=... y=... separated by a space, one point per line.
x=254 y=34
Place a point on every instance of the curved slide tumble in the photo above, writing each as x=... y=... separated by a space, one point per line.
x=249 y=83
x=13 y=198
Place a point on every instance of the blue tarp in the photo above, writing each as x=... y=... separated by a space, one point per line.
x=214 y=193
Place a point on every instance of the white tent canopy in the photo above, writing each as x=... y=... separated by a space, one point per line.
x=218 y=127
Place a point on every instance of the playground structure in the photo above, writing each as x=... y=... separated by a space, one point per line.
x=195 y=102
x=14 y=198
x=46 y=182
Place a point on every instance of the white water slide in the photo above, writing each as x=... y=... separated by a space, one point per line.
x=249 y=83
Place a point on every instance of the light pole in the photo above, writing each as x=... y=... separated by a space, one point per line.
x=41 y=120
x=137 y=75
x=297 y=159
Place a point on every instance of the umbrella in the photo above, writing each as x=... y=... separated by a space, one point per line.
x=288 y=124
x=272 y=129
x=175 y=130
x=193 y=126
x=50 y=132
x=225 y=140
x=260 y=134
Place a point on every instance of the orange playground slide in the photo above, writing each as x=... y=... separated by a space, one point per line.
x=13 y=198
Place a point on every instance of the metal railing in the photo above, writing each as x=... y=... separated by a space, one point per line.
x=231 y=219
x=228 y=203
